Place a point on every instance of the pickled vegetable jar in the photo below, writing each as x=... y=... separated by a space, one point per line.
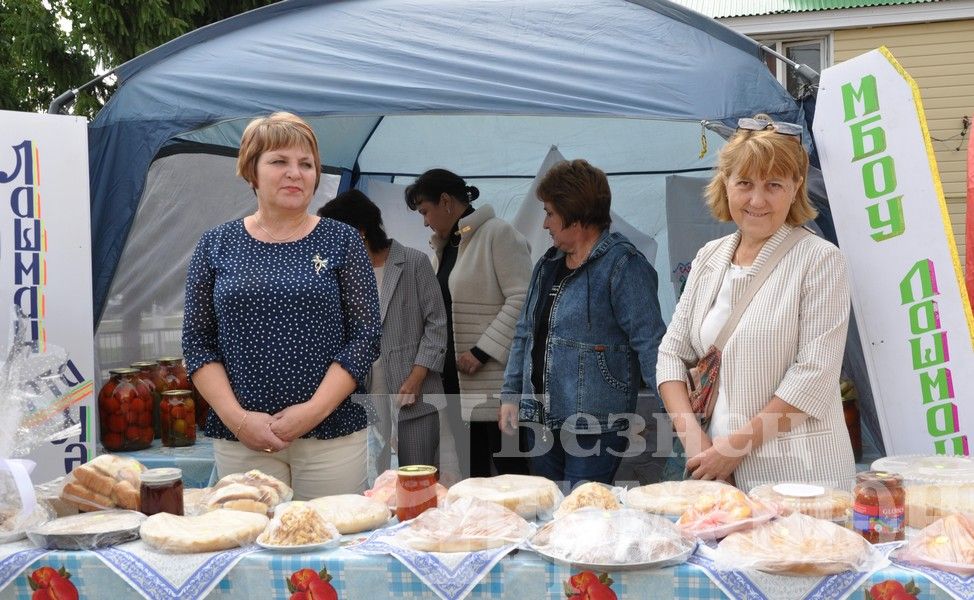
x=415 y=491
x=178 y=416
x=879 y=507
x=149 y=372
x=125 y=412
x=173 y=371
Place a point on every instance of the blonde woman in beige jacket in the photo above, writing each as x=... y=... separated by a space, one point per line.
x=778 y=414
x=483 y=266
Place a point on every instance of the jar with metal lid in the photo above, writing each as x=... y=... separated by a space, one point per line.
x=879 y=506
x=173 y=370
x=149 y=372
x=125 y=412
x=415 y=491
x=162 y=491
x=176 y=412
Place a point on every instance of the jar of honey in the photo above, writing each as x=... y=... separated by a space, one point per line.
x=162 y=491
x=149 y=373
x=125 y=412
x=178 y=418
x=415 y=491
x=879 y=507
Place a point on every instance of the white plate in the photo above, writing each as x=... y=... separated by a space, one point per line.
x=676 y=559
x=332 y=543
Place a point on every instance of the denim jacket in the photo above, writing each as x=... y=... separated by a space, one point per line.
x=604 y=331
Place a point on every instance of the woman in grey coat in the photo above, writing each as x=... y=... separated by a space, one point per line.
x=413 y=342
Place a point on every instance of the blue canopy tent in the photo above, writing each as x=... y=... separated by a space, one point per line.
x=393 y=87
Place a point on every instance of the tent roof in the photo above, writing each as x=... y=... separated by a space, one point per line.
x=365 y=59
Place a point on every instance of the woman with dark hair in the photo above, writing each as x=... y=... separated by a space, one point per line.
x=413 y=341
x=483 y=266
x=588 y=335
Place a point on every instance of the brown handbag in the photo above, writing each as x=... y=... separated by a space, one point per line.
x=702 y=379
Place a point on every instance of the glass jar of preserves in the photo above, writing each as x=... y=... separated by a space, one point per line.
x=149 y=372
x=415 y=491
x=125 y=412
x=178 y=418
x=162 y=491
x=879 y=506
x=173 y=371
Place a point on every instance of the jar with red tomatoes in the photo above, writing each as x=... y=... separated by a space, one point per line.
x=173 y=371
x=178 y=418
x=149 y=372
x=125 y=412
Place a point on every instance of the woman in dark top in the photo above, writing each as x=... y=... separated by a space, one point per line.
x=282 y=324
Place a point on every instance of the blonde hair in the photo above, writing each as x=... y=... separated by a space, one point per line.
x=764 y=154
x=273 y=132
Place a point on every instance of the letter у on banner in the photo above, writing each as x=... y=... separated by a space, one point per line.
x=879 y=174
x=931 y=358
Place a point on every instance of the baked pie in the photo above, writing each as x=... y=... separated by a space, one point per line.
x=527 y=495
x=351 y=513
x=220 y=529
x=946 y=544
x=588 y=495
x=672 y=498
x=467 y=525
x=811 y=500
x=795 y=545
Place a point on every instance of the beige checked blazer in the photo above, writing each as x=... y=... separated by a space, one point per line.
x=789 y=343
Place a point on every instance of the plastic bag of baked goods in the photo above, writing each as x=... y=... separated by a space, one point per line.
x=351 y=513
x=946 y=544
x=466 y=525
x=20 y=508
x=253 y=491
x=797 y=545
x=812 y=500
x=384 y=489
x=219 y=529
x=612 y=538
x=298 y=525
x=671 y=498
x=106 y=481
x=590 y=495
x=716 y=515
x=529 y=496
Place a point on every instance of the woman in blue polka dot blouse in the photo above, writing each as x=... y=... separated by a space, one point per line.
x=282 y=324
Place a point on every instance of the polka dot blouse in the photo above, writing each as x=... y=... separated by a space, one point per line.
x=278 y=315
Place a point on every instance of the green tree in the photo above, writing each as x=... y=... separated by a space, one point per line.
x=50 y=46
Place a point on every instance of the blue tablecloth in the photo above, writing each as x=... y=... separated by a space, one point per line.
x=196 y=461
x=523 y=575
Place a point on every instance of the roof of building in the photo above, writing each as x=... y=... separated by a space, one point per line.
x=719 y=9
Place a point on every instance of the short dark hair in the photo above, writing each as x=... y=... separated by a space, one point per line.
x=354 y=208
x=434 y=182
x=578 y=192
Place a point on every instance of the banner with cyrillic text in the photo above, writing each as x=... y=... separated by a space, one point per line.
x=891 y=219
x=45 y=272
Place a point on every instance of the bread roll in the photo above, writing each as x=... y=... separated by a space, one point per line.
x=83 y=498
x=126 y=495
x=95 y=481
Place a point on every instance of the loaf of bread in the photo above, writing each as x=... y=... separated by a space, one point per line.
x=107 y=481
x=253 y=491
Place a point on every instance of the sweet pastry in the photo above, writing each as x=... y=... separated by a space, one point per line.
x=527 y=495
x=812 y=500
x=620 y=537
x=716 y=515
x=467 y=525
x=672 y=497
x=588 y=495
x=947 y=544
x=351 y=513
x=106 y=481
x=297 y=524
x=928 y=502
x=253 y=491
x=794 y=545
x=220 y=529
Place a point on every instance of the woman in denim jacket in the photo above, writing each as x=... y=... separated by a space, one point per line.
x=587 y=336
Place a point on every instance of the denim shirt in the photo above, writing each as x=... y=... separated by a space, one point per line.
x=605 y=329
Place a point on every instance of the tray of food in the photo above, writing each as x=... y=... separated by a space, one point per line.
x=88 y=530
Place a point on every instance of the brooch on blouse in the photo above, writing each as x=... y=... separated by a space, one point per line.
x=319 y=263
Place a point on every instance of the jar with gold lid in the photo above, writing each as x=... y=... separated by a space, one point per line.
x=879 y=506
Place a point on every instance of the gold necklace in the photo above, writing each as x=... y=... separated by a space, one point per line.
x=284 y=239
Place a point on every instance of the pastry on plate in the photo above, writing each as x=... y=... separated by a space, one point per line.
x=527 y=495
x=351 y=513
x=588 y=495
x=671 y=498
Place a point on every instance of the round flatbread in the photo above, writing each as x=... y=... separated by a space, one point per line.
x=527 y=495
x=216 y=530
x=351 y=513
x=672 y=497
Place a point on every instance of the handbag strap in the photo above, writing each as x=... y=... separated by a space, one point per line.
x=759 y=278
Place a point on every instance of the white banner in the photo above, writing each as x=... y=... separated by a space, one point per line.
x=892 y=223
x=45 y=270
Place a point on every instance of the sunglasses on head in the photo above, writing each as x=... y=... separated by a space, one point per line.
x=776 y=126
